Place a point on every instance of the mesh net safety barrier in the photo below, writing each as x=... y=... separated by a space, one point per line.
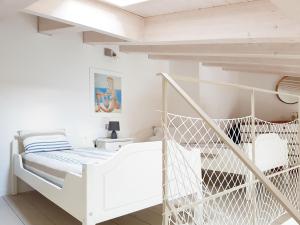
x=208 y=184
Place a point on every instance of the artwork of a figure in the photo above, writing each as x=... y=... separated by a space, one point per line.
x=108 y=94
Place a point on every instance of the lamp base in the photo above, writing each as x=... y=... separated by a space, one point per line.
x=114 y=135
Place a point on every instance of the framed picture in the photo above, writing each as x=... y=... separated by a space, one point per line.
x=106 y=92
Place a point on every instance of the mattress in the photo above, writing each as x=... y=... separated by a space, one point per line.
x=54 y=165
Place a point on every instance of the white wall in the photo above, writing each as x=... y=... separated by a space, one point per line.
x=44 y=83
x=217 y=101
x=176 y=103
x=224 y=102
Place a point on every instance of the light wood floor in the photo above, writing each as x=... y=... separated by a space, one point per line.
x=31 y=208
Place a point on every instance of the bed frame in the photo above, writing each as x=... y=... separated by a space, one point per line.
x=130 y=181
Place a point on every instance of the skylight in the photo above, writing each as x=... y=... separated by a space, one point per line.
x=123 y=3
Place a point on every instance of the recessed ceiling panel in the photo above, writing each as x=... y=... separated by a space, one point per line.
x=160 y=7
x=123 y=3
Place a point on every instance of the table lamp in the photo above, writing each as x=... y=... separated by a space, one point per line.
x=114 y=126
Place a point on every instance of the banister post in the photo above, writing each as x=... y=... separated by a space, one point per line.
x=164 y=151
x=253 y=138
x=253 y=125
x=298 y=152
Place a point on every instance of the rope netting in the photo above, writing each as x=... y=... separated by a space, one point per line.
x=208 y=184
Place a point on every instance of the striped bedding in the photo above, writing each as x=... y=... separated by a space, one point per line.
x=53 y=165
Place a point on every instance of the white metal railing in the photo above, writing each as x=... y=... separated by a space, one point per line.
x=210 y=177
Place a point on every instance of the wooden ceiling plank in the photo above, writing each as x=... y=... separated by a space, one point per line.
x=290 y=8
x=257 y=19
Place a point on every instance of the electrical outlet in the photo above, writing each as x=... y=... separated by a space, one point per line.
x=106 y=126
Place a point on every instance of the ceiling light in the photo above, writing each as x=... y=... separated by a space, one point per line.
x=123 y=3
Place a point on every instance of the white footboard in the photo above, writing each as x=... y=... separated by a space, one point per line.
x=130 y=181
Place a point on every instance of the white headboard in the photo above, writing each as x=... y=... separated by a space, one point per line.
x=270 y=151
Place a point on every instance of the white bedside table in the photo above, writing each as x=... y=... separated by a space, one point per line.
x=113 y=144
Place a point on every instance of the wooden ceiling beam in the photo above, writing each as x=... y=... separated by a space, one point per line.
x=94 y=38
x=265 y=71
x=256 y=66
x=91 y=15
x=50 y=27
x=284 y=48
x=230 y=59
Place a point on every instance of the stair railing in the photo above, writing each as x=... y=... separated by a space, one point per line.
x=167 y=81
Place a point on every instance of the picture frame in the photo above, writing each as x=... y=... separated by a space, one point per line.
x=106 y=92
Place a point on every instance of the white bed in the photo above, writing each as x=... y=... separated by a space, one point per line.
x=265 y=146
x=125 y=182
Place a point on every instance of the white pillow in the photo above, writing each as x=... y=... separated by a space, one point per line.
x=31 y=133
x=46 y=143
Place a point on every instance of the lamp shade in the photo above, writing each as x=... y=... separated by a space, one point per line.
x=114 y=125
